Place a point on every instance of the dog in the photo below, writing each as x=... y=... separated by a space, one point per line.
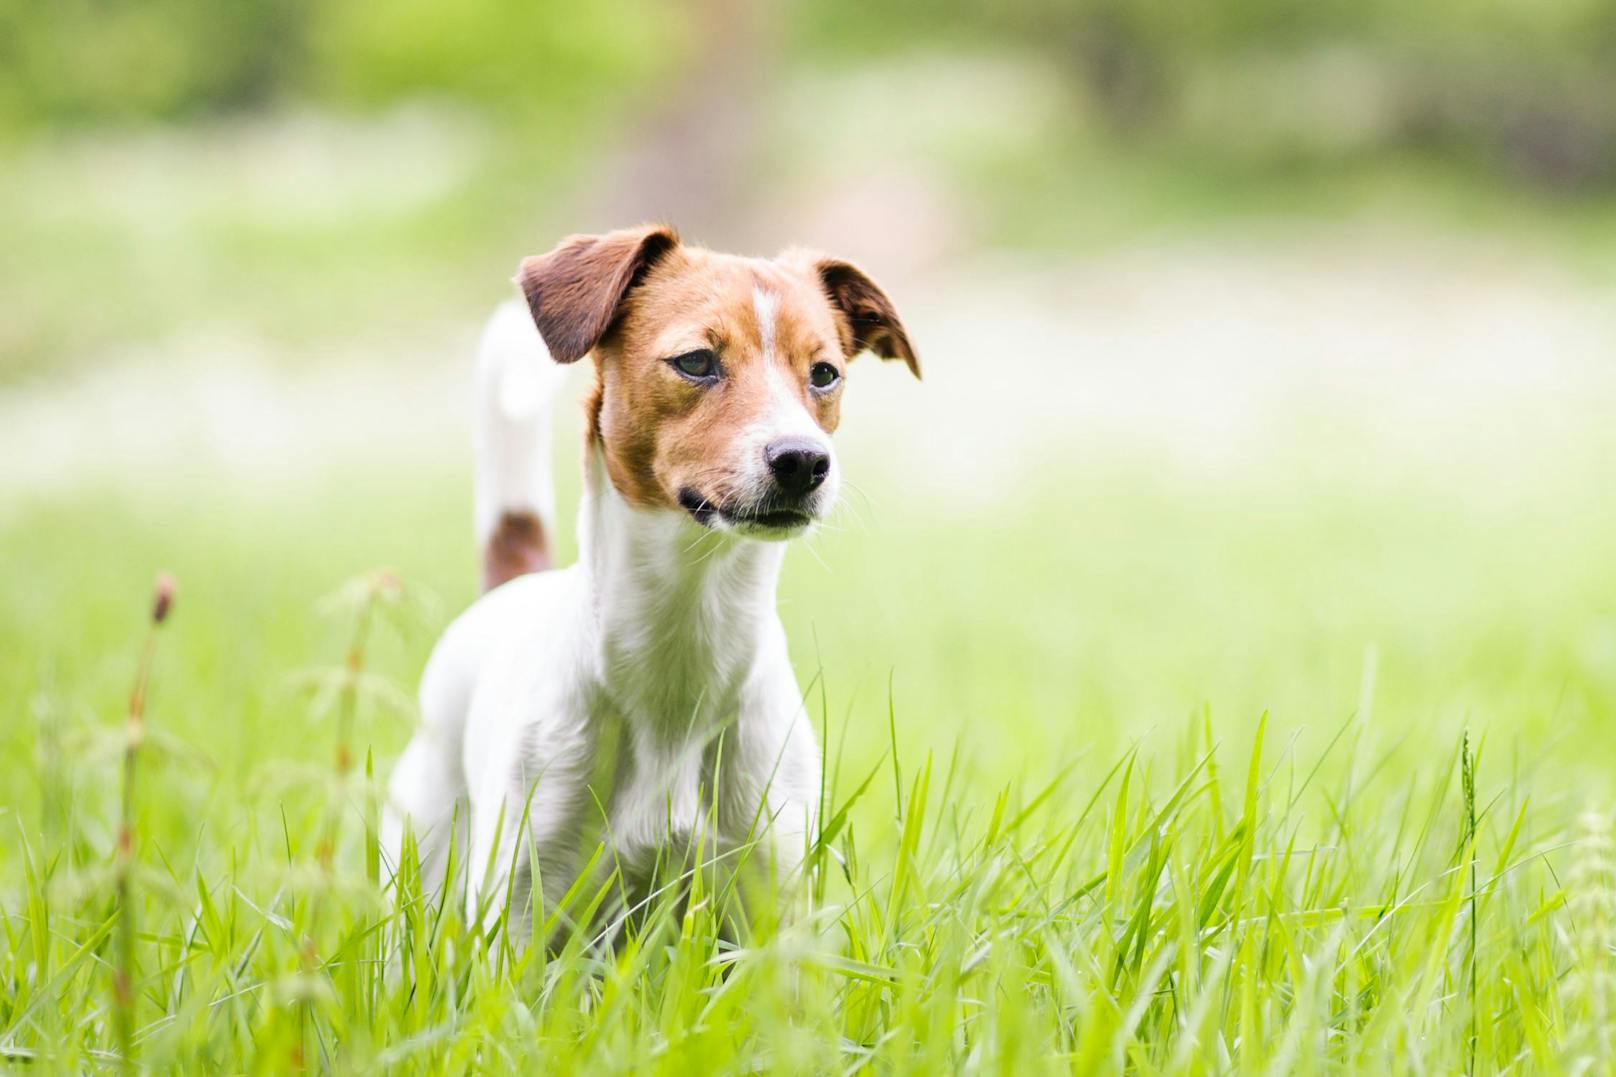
x=641 y=699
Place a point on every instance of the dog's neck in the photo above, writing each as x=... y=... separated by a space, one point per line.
x=680 y=610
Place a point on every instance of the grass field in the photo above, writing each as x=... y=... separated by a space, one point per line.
x=1088 y=851
x=1299 y=762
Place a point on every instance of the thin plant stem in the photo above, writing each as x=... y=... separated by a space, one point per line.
x=123 y=973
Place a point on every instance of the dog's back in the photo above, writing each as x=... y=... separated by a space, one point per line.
x=516 y=384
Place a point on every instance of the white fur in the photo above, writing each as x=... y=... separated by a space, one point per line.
x=662 y=640
x=785 y=416
x=766 y=305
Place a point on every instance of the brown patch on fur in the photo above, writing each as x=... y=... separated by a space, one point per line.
x=661 y=433
x=574 y=291
x=870 y=321
x=517 y=546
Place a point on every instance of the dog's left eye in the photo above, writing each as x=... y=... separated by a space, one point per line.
x=823 y=376
x=701 y=365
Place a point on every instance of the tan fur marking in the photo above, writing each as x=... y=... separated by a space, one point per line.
x=643 y=298
x=574 y=292
x=868 y=319
x=517 y=546
x=662 y=434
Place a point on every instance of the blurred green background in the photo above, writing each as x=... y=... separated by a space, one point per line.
x=1268 y=348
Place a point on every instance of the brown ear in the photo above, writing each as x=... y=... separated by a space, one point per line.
x=871 y=319
x=575 y=290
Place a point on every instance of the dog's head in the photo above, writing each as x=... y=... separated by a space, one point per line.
x=719 y=377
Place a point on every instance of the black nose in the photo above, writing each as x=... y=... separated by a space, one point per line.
x=798 y=465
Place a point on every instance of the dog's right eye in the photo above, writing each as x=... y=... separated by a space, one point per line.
x=697 y=365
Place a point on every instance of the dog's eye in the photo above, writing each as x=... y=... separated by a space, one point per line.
x=823 y=376
x=700 y=365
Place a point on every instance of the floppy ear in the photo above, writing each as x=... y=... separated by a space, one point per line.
x=574 y=291
x=870 y=319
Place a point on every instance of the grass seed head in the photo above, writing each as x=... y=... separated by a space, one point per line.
x=162 y=598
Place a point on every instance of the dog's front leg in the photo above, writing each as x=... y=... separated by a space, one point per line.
x=770 y=776
x=533 y=819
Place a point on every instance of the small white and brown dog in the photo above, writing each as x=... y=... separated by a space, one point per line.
x=643 y=697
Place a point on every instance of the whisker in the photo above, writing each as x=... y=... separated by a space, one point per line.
x=808 y=545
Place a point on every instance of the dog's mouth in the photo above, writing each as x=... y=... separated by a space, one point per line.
x=777 y=520
x=700 y=509
x=765 y=520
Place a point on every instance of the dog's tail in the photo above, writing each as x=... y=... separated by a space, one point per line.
x=515 y=486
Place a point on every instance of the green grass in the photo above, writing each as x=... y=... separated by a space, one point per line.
x=1064 y=838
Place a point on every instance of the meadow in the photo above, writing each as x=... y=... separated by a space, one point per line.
x=1214 y=656
x=1127 y=774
